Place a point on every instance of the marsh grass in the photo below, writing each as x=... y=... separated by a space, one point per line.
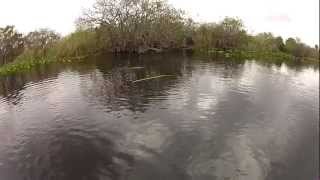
x=73 y=48
x=78 y=44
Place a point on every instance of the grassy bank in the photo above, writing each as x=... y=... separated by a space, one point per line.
x=277 y=57
x=25 y=65
x=73 y=48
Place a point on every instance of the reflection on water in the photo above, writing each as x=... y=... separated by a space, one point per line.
x=220 y=120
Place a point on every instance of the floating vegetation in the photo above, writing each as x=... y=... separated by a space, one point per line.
x=22 y=66
x=27 y=64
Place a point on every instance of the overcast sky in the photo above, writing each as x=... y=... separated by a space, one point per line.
x=288 y=18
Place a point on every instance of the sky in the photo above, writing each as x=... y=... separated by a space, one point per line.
x=288 y=18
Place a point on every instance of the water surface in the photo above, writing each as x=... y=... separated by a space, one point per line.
x=212 y=120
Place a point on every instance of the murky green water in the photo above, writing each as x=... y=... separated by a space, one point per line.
x=212 y=120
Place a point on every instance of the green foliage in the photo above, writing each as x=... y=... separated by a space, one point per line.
x=40 y=42
x=41 y=39
x=301 y=50
x=24 y=63
x=279 y=44
x=11 y=44
x=228 y=34
x=77 y=44
x=71 y=48
x=291 y=45
x=266 y=42
x=135 y=24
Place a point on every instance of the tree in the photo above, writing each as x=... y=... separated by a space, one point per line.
x=205 y=36
x=291 y=45
x=39 y=41
x=299 y=49
x=265 y=42
x=317 y=52
x=231 y=33
x=228 y=34
x=11 y=44
x=280 y=44
x=130 y=24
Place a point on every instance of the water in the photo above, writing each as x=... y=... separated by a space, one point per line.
x=212 y=120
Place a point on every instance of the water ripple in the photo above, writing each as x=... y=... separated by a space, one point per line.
x=212 y=120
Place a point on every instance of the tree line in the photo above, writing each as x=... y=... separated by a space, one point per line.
x=13 y=43
x=139 y=26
